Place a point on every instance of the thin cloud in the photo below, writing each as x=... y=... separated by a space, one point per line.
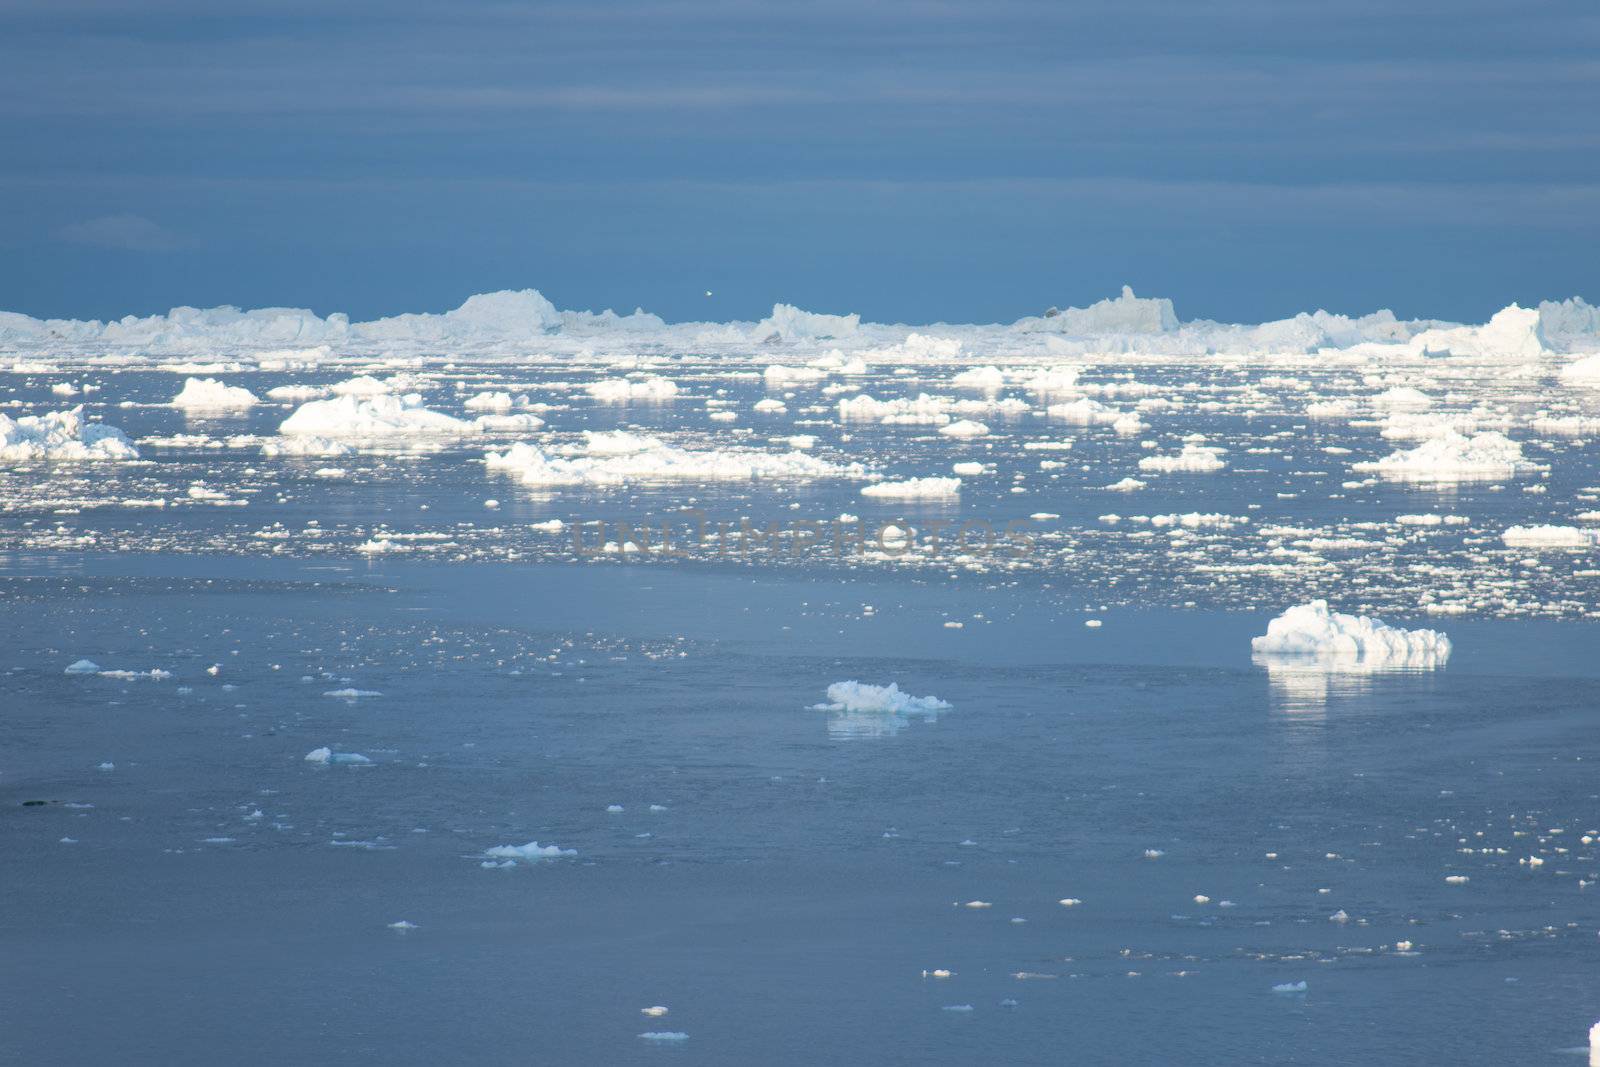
x=126 y=232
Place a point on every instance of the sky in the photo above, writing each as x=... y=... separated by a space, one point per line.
x=911 y=160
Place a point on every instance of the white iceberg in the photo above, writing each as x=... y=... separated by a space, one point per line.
x=61 y=436
x=529 y=852
x=381 y=417
x=209 y=394
x=1312 y=632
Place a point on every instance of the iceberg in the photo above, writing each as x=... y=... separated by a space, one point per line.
x=1312 y=632
x=208 y=394
x=61 y=436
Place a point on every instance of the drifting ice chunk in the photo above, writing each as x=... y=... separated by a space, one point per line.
x=1314 y=632
x=1549 y=537
x=621 y=390
x=328 y=755
x=915 y=489
x=965 y=428
x=529 y=852
x=350 y=418
x=1194 y=458
x=857 y=696
x=61 y=436
x=208 y=394
x=1452 y=457
x=1583 y=372
x=83 y=666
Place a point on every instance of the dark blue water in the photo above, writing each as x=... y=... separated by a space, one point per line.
x=801 y=875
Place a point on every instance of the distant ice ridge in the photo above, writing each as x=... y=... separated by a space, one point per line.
x=208 y=394
x=858 y=696
x=620 y=457
x=281 y=337
x=61 y=436
x=1124 y=314
x=1313 y=632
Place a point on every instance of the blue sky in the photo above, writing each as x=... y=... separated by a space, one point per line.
x=913 y=161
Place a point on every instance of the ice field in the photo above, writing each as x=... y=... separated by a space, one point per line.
x=512 y=685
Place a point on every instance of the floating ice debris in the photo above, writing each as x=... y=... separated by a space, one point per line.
x=1153 y=853
x=958 y=1007
x=382 y=417
x=606 y=465
x=155 y=674
x=208 y=394
x=1340 y=916
x=61 y=436
x=1456 y=879
x=1402 y=946
x=1201 y=898
x=978 y=904
x=1289 y=987
x=1453 y=457
x=1314 y=632
x=621 y=390
x=82 y=666
x=614 y=809
x=529 y=852
x=914 y=489
x=965 y=428
x=352 y=694
x=1549 y=537
x=327 y=755
x=1069 y=902
x=665 y=1035
x=403 y=925
x=655 y=1012
x=938 y=972
x=1195 y=458
x=107 y=766
x=1093 y=624
x=858 y=696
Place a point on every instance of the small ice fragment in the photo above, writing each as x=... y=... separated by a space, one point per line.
x=614 y=809
x=1456 y=879
x=1290 y=987
x=664 y=1035
x=531 y=851
x=352 y=694
x=655 y=1012
x=958 y=1007
x=83 y=666
x=1339 y=916
x=1093 y=624
x=1069 y=902
x=1402 y=946
x=1153 y=853
x=108 y=766
x=979 y=904
x=403 y=925
x=319 y=755
x=937 y=972
x=658 y=807
x=1201 y=898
